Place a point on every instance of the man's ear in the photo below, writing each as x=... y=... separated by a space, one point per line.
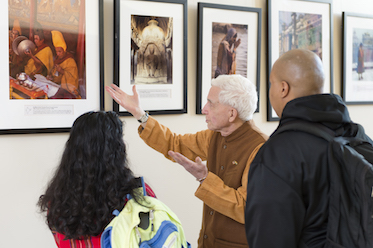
x=233 y=114
x=285 y=89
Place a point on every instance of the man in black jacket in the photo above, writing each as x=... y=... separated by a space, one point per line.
x=288 y=185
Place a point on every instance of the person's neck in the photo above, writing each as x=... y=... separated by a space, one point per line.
x=230 y=129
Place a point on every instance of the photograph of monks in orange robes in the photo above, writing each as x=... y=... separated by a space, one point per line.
x=47 y=49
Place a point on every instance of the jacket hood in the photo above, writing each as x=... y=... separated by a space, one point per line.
x=327 y=109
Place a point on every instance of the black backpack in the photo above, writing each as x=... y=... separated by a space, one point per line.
x=350 y=220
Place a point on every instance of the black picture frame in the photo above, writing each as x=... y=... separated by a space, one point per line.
x=214 y=20
x=314 y=34
x=357 y=88
x=158 y=64
x=46 y=115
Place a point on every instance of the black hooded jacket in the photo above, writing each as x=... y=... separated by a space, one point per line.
x=288 y=184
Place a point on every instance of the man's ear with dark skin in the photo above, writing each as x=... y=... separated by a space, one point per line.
x=285 y=89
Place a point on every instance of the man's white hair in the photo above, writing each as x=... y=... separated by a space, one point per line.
x=239 y=93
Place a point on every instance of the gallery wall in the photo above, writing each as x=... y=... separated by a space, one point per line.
x=28 y=160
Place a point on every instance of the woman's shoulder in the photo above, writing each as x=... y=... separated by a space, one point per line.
x=90 y=242
x=149 y=191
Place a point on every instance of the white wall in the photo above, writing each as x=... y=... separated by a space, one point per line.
x=27 y=161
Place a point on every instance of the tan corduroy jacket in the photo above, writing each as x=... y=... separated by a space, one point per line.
x=224 y=189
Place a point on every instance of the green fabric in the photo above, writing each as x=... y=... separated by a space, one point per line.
x=124 y=226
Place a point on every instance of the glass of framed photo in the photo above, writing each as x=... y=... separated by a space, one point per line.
x=295 y=24
x=229 y=42
x=357 y=58
x=150 y=52
x=54 y=65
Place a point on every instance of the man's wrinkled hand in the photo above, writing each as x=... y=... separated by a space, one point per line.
x=130 y=102
x=197 y=168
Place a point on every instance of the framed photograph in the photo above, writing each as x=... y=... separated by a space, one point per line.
x=150 y=52
x=295 y=24
x=55 y=64
x=228 y=43
x=357 y=58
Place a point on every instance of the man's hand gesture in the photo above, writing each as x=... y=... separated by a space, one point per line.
x=130 y=102
x=197 y=168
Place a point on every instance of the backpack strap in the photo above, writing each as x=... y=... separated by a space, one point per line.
x=143 y=186
x=316 y=129
x=141 y=183
x=144 y=217
x=326 y=133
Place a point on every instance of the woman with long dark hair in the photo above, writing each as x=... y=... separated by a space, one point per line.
x=91 y=181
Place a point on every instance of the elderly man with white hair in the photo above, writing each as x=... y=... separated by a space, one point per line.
x=228 y=145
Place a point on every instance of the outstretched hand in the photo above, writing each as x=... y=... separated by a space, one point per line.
x=130 y=102
x=198 y=169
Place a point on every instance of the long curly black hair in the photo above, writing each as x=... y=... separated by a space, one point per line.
x=92 y=179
